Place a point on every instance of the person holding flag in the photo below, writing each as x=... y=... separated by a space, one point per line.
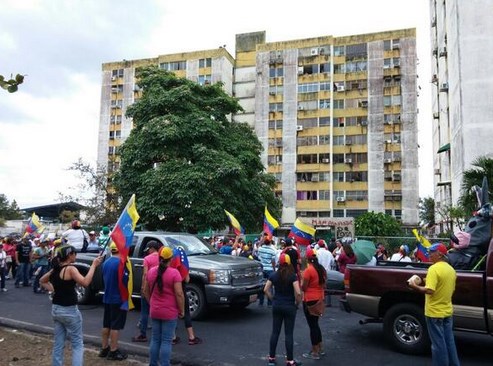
x=34 y=225
x=117 y=277
x=237 y=228
x=270 y=224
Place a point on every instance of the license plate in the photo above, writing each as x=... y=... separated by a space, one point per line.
x=253 y=297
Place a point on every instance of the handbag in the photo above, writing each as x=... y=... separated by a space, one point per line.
x=316 y=309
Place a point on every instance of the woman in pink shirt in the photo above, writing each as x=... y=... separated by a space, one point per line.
x=346 y=257
x=167 y=302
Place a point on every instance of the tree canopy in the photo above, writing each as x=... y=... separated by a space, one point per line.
x=427 y=211
x=377 y=224
x=12 y=84
x=481 y=167
x=8 y=210
x=187 y=162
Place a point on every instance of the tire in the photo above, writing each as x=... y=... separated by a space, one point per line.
x=196 y=301
x=404 y=327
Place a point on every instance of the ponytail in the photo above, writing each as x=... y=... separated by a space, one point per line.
x=322 y=274
x=163 y=264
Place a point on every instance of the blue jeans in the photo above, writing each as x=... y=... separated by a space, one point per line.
x=22 y=274
x=68 y=322
x=162 y=335
x=41 y=273
x=144 y=316
x=280 y=314
x=443 y=351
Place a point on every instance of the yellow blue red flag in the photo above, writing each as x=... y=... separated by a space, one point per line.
x=34 y=225
x=270 y=223
x=301 y=232
x=122 y=236
x=237 y=228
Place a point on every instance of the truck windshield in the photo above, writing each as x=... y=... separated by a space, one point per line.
x=191 y=244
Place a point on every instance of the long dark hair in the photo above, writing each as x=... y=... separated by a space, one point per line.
x=61 y=254
x=163 y=265
x=322 y=274
x=348 y=249
x=285 y=273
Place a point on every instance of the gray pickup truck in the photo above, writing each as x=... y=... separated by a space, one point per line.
x=215 y=279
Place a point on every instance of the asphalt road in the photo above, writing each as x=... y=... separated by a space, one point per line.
x=241 y=337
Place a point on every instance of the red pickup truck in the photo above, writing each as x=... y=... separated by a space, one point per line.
x=382 y=294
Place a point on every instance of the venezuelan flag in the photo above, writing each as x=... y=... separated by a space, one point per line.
x=270 y=223
x=34 y=225
x=180 y=261
x=421 y=247
x=301 y=232
x=237 y=228
x=122 y=235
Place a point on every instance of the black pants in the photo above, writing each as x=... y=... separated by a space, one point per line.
x=312 y=320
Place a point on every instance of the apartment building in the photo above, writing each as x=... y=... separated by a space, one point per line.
x=462 y=89
x=336 y=117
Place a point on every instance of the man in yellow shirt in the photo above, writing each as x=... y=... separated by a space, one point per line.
x=438 y=289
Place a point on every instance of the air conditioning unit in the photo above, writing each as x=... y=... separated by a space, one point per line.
x=387 y=161
x=437 y=172
x=388 y=122
x=397 y=63
x=396 y=177
x=397 y=158
x=314 y=51
x=300 y=108
x=396 y=46
x=444 y=87
x=341 y=199
x=436 y=115
x=386 y=66
x=363 y=104
x=364 y=123
x=443 y=52
x=348 y=161
x=301 y=70
x=340 y=87
x=114 y=90
x=272 y=93
x=113 y=78
x=315 y=178
x=388 y=141
x=325 y=161
x=396 y=141
x=349 y=141
x=299 y=128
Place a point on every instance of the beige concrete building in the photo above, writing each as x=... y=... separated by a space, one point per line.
x=462 y=91
x=336 y=117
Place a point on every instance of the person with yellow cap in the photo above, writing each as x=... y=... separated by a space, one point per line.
x=165 y=295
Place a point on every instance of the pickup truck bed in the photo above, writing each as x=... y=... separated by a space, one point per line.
x=382 y=294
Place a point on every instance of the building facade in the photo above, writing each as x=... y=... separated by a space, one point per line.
x=462 y=90
x=336 y=117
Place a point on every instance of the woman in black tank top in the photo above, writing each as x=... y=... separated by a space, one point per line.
x=61 y=281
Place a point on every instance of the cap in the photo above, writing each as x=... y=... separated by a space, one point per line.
x=289 y=241
x=284 y=259
x=92 y=232
x=105 y=230
x=438 y=247
x=113 y=247
x=57 y=242
x=404 y=248
x=152 y=244
x=246 y=247
x=166 y=253
x=321 y=243
x=310 y=252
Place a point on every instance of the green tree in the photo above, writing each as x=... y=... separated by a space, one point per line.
x=377 y=224
x=481 y=167
x=12 y=84
x=186 y=162
x=9 y=210
x=452 y=216
x=94 y=193
x=427 y=211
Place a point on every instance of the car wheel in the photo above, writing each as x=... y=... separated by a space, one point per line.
x=196 y=301
x=404 y=326
x=84 y=294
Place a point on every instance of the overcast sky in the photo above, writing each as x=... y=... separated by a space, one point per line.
x=52 y=120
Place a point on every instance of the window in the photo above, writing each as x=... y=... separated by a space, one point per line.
x=275 y=125
x=324 y=140
x=338 y=122
x=356 y=195
x=306 y=159
x=117 y=73
x=306 y=141
x=338 y=176
x=355 y=213
x=356 y=176
x=324 y=121
x=205 y=62
x=325 y=67
x=338 y=213
x=306 y=195
x=116 y=120
x=358 y=158
x=274 y=159
x=324 y=177
x=117 y=103
x=111 y=150
x=275 y=89
x=339 y=104
x=275 y=142
x=324 y=104
x=173 y=66
x=338 y=158
x=307 y=122
x=324 y=195
x=325 y=86
x=276 y=71
x=339 y=69
x=339 y=50
x=338 y=194
x=275 y=107
x=308 y=88
x=205 y=79
x=339 y=140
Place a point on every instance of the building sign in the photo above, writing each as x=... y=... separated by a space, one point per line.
x=341 y=226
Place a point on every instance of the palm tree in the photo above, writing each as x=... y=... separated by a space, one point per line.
x=481 y=167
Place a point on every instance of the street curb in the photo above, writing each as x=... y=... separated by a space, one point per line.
x=178 y=359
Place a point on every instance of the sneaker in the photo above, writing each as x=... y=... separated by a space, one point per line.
x=322 y=352
x=175 y=340
x=293 y=363
x=103 y=352
x=196 y=340
x=312 y=355
x=139 y=338
x=4 y=290
x=271 y=361
x=116 y=355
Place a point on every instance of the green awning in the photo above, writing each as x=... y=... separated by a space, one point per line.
x=444 y=148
